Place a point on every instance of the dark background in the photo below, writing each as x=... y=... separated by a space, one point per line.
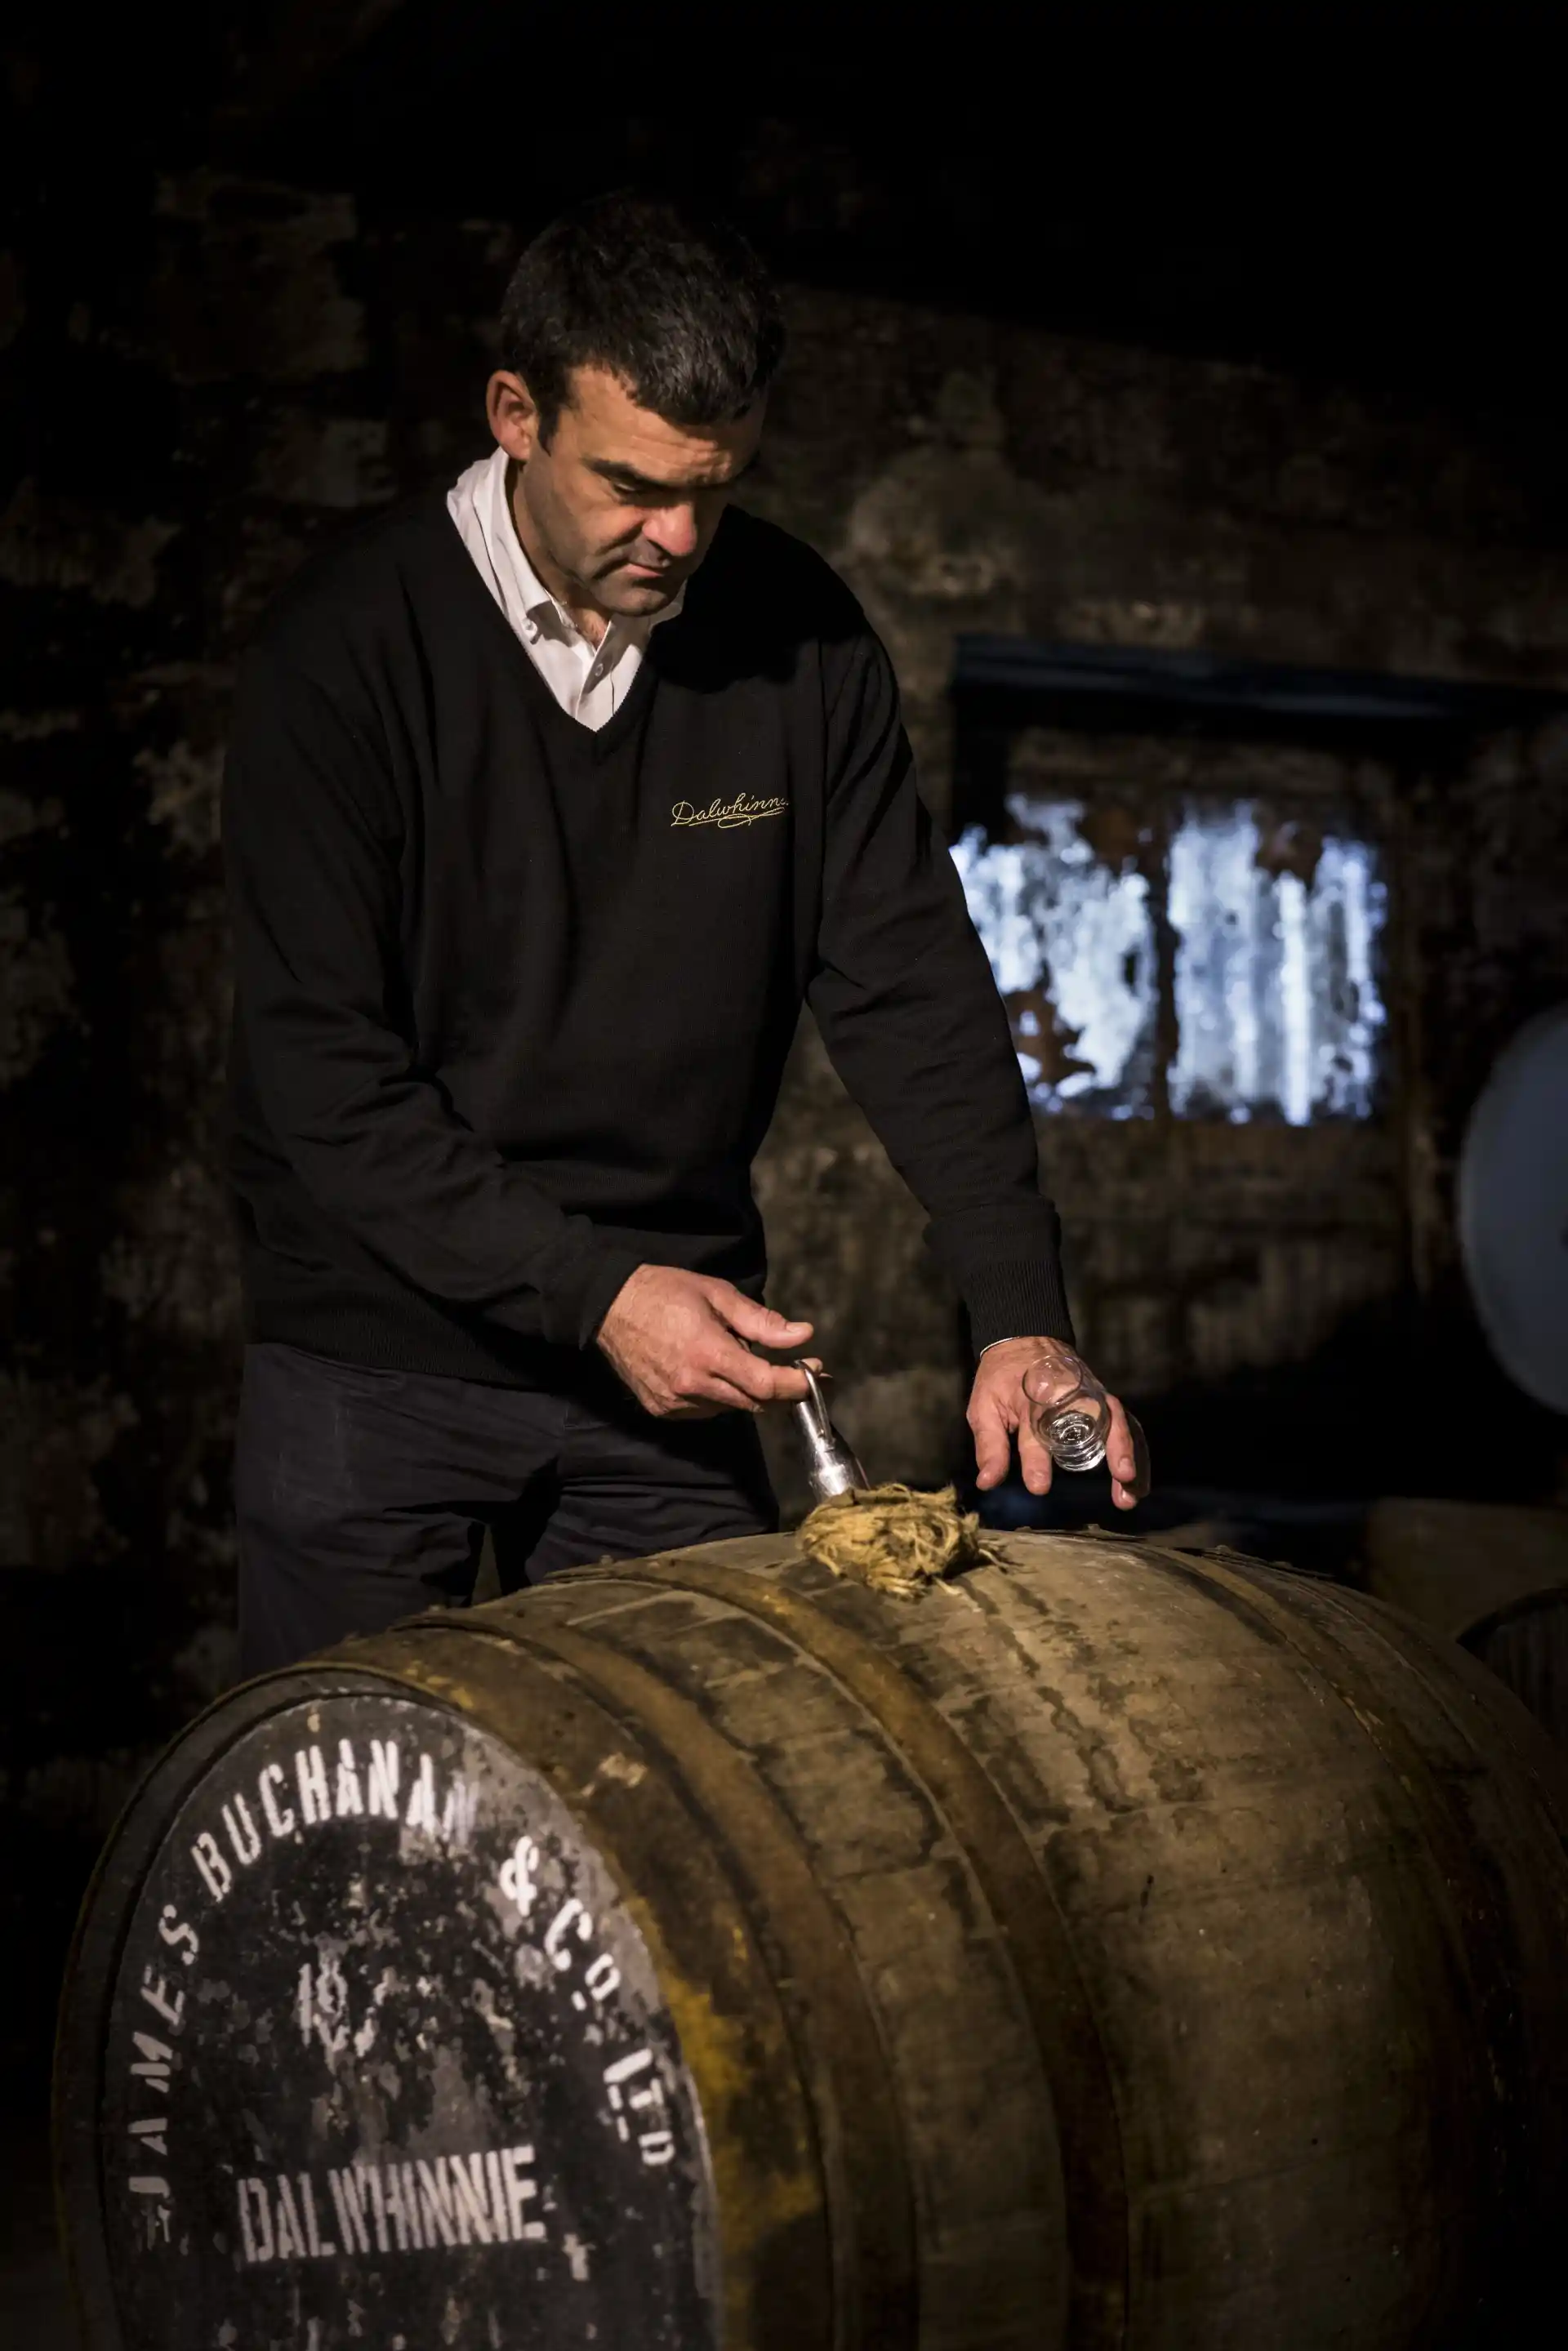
x=1232 y=338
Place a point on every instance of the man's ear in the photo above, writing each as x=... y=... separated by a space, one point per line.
x=514 y=419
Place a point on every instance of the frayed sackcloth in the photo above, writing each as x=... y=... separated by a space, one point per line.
x=891 y=1539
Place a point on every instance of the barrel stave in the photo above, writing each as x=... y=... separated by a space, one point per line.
x=777 y=2280
x=1251 y=1893
x=972 y=2097
x=1318 y=1918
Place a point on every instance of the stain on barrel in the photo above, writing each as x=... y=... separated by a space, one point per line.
x=1114 y=1947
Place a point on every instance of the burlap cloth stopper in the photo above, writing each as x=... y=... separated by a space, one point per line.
x=894 y=1540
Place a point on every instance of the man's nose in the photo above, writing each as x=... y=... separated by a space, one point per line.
x=674 y=532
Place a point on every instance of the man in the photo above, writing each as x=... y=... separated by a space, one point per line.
x=550 y=801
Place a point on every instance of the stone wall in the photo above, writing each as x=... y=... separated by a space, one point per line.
x=966 y=475
x=241 y=368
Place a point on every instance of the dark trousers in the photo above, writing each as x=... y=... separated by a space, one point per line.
x=363 y=1496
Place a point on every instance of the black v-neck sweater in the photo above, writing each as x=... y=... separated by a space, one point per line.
x=513 y=998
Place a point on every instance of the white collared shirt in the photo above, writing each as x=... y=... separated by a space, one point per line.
x=588 y=681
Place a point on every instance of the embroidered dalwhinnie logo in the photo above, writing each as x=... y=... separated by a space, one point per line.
x=727 y=814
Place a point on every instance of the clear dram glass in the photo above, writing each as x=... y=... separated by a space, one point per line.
x=1067 y=1410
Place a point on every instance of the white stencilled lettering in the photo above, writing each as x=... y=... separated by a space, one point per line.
x=216 y=1874
x=155 y=2059
x=481 y=2197
x=279 y=1816
x=445 y=1810
x=655 y=2146
x=520 y=2190
x=601 y=1976
x=402 y=2205
x=515 y=1875
x=347 y=1798
x=500 y=2211
x=318 y=2247
x=289 y=2236
x=255 y=2221
x=348 y=2198
x=572 y=1923
x=156 y=1993
x=471 y=2197
x=420 y=1812
x=244 y=1834
x=311 y=1773
x=321 y=2005
x=154 y=2208
x=435 y=2202
x=424 y=2203
x=384 y=1769
x=459 y=1811
x=371 y=2177
x=556 y=1932
x=180 y=1938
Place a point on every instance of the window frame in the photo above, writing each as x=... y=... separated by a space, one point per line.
x=1413 y=728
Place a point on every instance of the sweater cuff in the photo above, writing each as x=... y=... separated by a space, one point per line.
x=1021 y=1299
x=576 y=1310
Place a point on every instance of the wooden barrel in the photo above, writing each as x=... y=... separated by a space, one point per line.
x=1115 y=1948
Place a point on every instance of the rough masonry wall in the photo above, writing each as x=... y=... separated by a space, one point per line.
x=968 y=475
x=233 y=377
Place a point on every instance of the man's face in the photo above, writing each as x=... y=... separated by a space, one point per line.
x=623 y=504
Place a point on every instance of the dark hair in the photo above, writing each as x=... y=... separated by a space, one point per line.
x=676 y=305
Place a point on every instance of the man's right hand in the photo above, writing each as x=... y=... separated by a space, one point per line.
x=677 y=1339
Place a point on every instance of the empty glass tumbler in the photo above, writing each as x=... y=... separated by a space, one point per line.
x=1067 y=1410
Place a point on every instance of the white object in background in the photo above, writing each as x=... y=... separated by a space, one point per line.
x=1513 y=1208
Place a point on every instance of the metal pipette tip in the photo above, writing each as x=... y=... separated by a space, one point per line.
x=831 y=1465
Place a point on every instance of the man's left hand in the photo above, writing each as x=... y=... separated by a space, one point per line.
x=999 y=1410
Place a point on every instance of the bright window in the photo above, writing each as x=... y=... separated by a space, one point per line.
x=1227 y=962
